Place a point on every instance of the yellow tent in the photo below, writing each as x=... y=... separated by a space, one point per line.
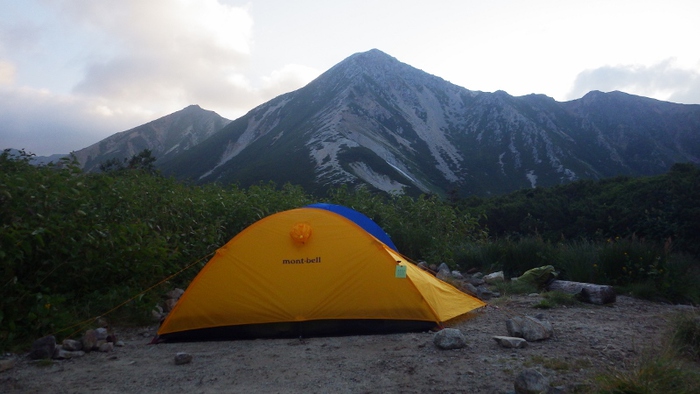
x=307 y=272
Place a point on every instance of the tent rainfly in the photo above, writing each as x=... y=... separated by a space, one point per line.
x=311 y=271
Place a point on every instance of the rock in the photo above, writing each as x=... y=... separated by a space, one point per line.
x=530 y=328
x=43 y=348
x=158 y=313
x=444 y=267
x=450 y=338
x=183 y=358
x=469 y=289
x=72 y=345
x=6 y=364
x=62 y=354
x=476 y=281
x=510 y=342
x=169 y=304
x=101 y=333
x=423 y=265
x=484 y=293
x=175 y=294
x=586 y=292
x=89 y=340
x=530 y=381
x=496 y=277
x=102 y=322
x=444 y=275
x=119 y=343
x=457 y=275
x=106 y=347
x=478 y=275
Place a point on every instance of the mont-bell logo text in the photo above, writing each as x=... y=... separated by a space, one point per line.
x=303 y=260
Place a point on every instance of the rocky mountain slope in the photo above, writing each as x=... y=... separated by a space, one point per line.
x=165 y=137
x=374 y=120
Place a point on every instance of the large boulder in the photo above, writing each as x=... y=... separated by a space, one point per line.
x=450 y=338
x=530 y=328
x=43 y=348
x=531 y=381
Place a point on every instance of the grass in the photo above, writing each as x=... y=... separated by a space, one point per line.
x=515 y=287
x=685 y=337
x=652 y=374
x=554 y=299
x=671 y=369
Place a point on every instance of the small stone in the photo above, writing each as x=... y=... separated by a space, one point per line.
x=450 y=338
x=495 y=277
x=175 y=294
x=62 y=354
x=106 y=347
x=469 y=289
x=101 y=333
x=6 y=364
x=484 y=293
x=72 y=345
x=183 y=358
x=43 y=348
x=89 y=340
x=510 y=342
x=169 y=304
x=444 y=275
x=457 y=275
x=119 y=343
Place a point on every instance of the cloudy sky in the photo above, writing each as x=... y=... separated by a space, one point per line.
x=73 y=72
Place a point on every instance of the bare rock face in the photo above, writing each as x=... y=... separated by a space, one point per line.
x=450 y=338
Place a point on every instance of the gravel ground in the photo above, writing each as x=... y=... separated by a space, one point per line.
x=588 y=339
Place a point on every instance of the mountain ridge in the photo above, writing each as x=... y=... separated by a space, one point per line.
x=373 y=120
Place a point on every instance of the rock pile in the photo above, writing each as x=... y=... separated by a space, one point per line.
x=100 y=339
x=170 y=300
x=475 y=284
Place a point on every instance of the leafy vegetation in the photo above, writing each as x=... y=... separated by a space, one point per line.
x=74 y=245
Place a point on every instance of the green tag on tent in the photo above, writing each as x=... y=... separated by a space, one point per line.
x=400 y=271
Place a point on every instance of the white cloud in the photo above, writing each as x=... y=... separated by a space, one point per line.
x=173 y=53
x=7 y=73
x=288 y=78
x=45 y=123
x=664 y=81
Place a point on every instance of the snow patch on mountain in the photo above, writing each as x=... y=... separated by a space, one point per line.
x=381 y=182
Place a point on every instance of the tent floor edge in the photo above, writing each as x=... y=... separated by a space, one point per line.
x=305 y=329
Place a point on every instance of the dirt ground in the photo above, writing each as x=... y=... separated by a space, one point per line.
x=588 y=339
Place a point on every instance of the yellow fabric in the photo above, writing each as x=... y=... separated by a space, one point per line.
x=264 y=275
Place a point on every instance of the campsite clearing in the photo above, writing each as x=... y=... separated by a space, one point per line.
x=588 y=339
